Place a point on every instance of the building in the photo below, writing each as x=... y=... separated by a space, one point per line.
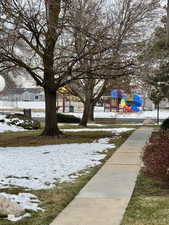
x=15 y=96
x=23 y=94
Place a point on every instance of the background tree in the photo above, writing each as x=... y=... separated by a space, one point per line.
x=123 y=25
x=167 y=27
x=156 y=97
x=89 y=19
x=155 y=61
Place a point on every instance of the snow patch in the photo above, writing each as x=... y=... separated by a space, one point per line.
x=113 y=130
x=26 y=201
x=41 y=167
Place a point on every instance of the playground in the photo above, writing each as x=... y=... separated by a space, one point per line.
x=121 y=102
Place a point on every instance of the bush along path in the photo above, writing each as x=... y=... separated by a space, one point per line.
x=156 y=154
x=104 y=199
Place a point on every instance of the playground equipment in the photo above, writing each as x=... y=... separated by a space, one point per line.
x=121 y=101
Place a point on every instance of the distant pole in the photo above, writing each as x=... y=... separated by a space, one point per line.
x=110 y=105
x=63 y=103
x=158 y=112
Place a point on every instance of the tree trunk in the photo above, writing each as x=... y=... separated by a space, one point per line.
x=86 y=112
x=53 y=9
x=91 y=112
x=51 y=127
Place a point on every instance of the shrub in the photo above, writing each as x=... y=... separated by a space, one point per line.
x=62 y=118
x=17 y=115
x=23 y=121
x=156 y=157
x=165 y=125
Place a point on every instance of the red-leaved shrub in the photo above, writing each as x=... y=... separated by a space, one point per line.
x=156 y=157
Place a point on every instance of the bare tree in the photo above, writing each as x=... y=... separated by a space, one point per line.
x=89 y=27
x=167 y=27
x=37 y=26
x=89 y=92
x=123 y=26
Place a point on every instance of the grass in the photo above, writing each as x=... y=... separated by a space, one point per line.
x=32 y=138
x=149 y=204
x=54 y=200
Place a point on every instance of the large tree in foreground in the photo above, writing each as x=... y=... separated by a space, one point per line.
x=36 y=36
x=35 y=25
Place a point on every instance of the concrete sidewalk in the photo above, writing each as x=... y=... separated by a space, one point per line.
x=105 y=197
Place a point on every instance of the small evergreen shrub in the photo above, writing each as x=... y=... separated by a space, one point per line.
x=165 y=125
x=17 y=115
x=156 y=158
x=62 y=118
x=22 y=121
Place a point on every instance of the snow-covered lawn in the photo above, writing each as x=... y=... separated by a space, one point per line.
x=41 y=167
x=164 y=113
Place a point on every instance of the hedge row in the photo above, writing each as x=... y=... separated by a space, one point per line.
x=62 y=118
x=156 y=154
